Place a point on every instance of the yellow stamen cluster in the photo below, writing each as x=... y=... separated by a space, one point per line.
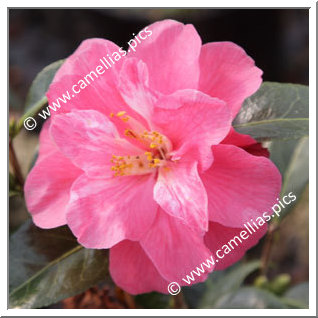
x=120 y=166
x=152 y=162
x=130 y=133
x=155 y=138
x=145 y=162
x=152 y=139
x=129 y=165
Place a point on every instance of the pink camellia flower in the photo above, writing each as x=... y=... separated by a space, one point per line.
x=144 y=161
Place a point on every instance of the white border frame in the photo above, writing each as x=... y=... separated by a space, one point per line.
x=312 y=160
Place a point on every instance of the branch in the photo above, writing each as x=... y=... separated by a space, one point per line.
x=266 y=252
x=15 y=164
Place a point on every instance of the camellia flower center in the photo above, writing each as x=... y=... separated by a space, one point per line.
x=156 y=155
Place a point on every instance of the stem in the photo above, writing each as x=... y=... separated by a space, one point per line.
x=15 y=164
x=268 y=247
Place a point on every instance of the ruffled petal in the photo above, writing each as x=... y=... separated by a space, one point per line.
x=46 y=143
x=89 y=139
x=181 y=193
x=193 y=122
x=95 y=88
x=240 y=186
x=228 y=73
x=171 y=52
x=47 y=187
x=133 y=87
x=132 y=270
x=175 y=249
x=103 y=212
x=228 y=246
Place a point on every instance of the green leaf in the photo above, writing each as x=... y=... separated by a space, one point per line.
x=46 y=266
x=36 y=98
x=223 y=282
x=250 y=298
x=298 y=295
x=292 y=159
x=41 y=83
x=275 y=111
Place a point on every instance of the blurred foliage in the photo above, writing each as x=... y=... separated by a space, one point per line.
x=298 y=294
x=153 y=300
x=14 y=186
x=223 y=289
x=277 y=286
x=250 y=298
x=221 y=283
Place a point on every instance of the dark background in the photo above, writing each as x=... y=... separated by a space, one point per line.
x=277 y=39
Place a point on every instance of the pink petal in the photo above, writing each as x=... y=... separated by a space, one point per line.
x=134 y=87
x=234 y=245
x=181 y=193
x=245 y=142
x=47 y=187
x=46 y=144
x=89 y=139
x=103 y=212
x=101 y=94
x=85 y=57
x=228 y=73
x=240 y=186
x=171 y=53
x=132 y=270
x=174 y=248
x=193 y=122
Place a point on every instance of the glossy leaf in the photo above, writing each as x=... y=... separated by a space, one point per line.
x=275 y=111
x=36 y=98
x=292 y=159
x=46 y=266
x=41 y=84
x=223 y=282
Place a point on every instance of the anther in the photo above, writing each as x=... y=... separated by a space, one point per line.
x=121 y=113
